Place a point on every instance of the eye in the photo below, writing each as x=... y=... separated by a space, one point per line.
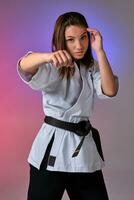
x=83 y=37
x=70 y=40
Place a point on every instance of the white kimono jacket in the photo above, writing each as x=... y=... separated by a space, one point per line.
x=68 y=100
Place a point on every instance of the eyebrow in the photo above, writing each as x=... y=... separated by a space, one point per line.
x=74 y=37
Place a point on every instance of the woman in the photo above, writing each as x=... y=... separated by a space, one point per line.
x=66 y=153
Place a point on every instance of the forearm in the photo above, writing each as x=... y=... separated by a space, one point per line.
x=31 y=62
x=109 y=81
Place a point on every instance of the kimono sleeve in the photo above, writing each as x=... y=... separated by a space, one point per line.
x=96 y=78
x=38 y=81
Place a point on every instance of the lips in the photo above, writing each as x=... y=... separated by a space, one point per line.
x=79 y=52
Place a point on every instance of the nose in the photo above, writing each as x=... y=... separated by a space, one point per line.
x=78 y=45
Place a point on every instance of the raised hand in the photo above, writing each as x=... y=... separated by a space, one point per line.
x=96 y=39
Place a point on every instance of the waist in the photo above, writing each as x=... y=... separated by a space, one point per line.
x=81 y=128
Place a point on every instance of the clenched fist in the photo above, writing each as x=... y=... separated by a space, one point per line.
x=60 y=58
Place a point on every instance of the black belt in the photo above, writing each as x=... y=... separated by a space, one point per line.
x=81 y=128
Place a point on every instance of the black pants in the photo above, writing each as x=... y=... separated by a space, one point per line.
x=47 y=185
x=50 y=185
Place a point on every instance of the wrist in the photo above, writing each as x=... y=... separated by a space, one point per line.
x=45 y=57
x=100 y=53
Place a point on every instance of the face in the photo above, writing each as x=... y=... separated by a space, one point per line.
x=77 y=41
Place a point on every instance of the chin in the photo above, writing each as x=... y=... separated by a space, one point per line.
x=78 y=57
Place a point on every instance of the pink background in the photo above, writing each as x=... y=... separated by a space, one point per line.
x=28 y=25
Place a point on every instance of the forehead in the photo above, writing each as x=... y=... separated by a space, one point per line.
x=74 y=30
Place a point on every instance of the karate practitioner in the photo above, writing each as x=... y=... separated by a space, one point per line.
x=67 y=153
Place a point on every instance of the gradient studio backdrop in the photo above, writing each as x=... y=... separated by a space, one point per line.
x=28 y=25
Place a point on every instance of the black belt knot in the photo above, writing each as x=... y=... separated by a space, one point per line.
x=83 y=128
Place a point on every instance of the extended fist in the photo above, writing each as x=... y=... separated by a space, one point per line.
x=60 y=58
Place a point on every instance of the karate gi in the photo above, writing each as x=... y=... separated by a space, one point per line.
x=68 y=100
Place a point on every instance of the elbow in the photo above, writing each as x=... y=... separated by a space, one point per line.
x=22 y=65
x=112 y=92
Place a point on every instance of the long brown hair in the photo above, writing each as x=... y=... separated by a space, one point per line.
x=59 y=43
